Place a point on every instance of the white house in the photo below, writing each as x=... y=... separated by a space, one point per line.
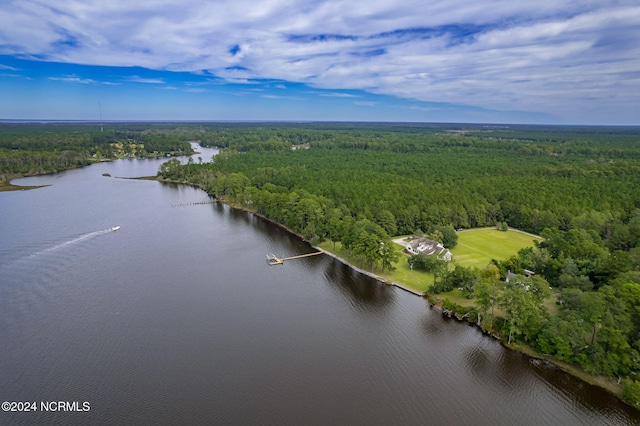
x=420 y=245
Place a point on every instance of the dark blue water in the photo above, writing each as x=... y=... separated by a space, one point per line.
x=177 y=319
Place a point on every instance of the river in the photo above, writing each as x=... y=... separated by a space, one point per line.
x=176 y=318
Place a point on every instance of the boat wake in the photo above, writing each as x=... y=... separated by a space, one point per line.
x=78 y=239
x=73 y=241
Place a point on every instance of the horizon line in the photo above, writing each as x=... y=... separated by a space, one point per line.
x=485 y=124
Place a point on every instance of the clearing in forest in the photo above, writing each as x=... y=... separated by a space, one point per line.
x=476 y=247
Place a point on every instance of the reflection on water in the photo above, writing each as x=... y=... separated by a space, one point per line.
x=361 y=291
x=179 y=312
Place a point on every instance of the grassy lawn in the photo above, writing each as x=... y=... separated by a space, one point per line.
x=476 y=247
x=455 y=296
x=415 y=280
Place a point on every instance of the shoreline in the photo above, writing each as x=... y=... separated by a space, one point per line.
x=7 y=186
x=370 y=274
x=602 y=382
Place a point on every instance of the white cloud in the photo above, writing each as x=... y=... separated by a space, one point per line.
x=557 y=57
x=74 y=80
x=138 y=79
x=337 y=95
x=81 y=80
x=280 y=97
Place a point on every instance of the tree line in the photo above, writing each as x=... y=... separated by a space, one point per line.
x=33 y=148
x=362 y=186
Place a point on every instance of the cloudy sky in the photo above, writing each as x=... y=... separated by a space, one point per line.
x=500 y=61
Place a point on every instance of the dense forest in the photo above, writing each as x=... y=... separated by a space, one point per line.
x=362 y=184
x=36 y=148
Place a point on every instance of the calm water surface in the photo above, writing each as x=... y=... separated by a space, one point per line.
x=177 y=319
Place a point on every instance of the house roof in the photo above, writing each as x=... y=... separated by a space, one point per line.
x=426 y=246
x=527 y=273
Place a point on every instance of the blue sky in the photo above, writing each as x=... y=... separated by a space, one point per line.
x=497 y=61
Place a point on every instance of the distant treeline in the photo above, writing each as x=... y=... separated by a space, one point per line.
x=30 y=148
x=432 y=178
x=531 y=178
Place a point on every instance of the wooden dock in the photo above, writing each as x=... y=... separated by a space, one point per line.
x=195 y=203
x=274 y=260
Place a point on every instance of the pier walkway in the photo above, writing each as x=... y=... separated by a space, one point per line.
x=274 y=260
